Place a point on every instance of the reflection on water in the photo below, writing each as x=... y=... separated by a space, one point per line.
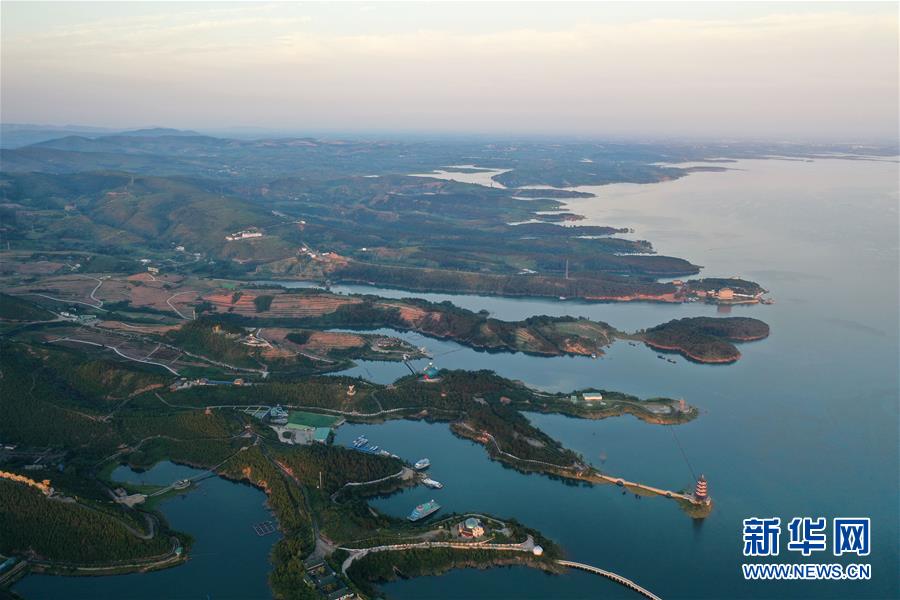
x=227 y=559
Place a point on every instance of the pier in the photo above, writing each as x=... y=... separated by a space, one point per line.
x=610 y=575
x=13 y=572
x=601 y=478
x=591 y=474
x=409 y=366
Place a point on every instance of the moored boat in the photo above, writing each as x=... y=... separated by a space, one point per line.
x=423 y=510
x=422 y=464
x=432 y=483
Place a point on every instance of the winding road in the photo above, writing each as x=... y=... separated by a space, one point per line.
x=356 y=553
x=117 y=351
x=172 y=306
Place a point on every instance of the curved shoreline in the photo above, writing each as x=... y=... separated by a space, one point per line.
x=665 y=297
x=693 y=357
x=709 y=340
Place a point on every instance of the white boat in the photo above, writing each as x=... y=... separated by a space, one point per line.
x=432 y=483
x=422 y=464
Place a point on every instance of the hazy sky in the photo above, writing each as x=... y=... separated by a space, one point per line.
x=779 y=71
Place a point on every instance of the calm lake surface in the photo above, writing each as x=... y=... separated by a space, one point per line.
x=228 y=559
x=805 y=424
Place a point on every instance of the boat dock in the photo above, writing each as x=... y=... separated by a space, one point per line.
x=265 y=528
x=592 y=475
x=362 y=444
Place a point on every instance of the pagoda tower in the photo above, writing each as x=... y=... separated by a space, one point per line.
x=701 y=492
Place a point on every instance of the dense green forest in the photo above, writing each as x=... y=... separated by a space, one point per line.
x=40 y=408
x=381 y=567
x=105 y=379
x=263 y=303
x=67 y=531
x=214 y=339
x=516 y=435
x=706 y=339
x=18 y=309
x=336 y=465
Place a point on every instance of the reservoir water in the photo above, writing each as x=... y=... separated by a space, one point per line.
x=227 y=560
x=805 y=424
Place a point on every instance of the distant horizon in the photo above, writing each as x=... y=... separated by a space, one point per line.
x=250 y=132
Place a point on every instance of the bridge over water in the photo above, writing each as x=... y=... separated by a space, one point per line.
x=526 y=546
x=206 y=474
x=609 y=575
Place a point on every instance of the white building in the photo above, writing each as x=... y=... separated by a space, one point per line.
x=243 y=235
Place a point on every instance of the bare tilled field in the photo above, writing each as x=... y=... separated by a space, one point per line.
x=42 y=267
x=124 y=347
x=276 y=335
x=323 y=341
x=319 y=343
x=142 y=290
x=66 y=288
x=411 y=314
x=282 y=306
x=22 y=263
x=154 y=295
x=142 y=328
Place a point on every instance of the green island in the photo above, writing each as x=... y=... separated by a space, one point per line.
x=705 y=339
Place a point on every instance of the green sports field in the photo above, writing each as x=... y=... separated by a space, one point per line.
x=311 y=419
